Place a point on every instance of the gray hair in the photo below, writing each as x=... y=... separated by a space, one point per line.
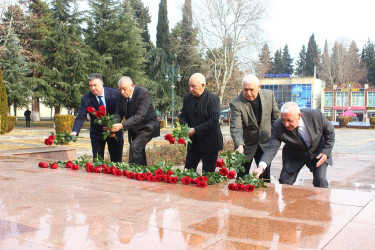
x=198 y=77
x=290 y=107
x=250 y=79
x=125 y=78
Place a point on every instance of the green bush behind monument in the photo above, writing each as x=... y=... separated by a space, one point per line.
x=3 y=106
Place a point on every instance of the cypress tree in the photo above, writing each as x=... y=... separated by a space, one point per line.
x=162 y=28
x=277 y=64
x=287 y=61
x=301 y=62
x=3 y=106
x=368 y=57
x=264 y=61
x=312 y=56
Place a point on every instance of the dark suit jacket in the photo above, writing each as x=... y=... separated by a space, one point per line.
x=295 y=153
x=89 y=100
x=141 y=112
x=244 y=127
x=205 y=120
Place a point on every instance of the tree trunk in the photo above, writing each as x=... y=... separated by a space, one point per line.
x=35 y=115
x=57 y=110
x=15 y=109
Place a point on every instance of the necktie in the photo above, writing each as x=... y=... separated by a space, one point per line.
x=300 y=137
x=128 y=106
x=100 y=101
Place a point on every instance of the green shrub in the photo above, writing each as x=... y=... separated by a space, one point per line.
x=343 y=121
x=372 y=122
x=64 y=123
x=11 y=122
x=3 y=106
x=161 y=123
x=351 y=118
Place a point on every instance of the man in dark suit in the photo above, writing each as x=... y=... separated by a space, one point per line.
x=136 y=106
x=253 y=112
x=201 y=112
x=27 y=115
x=308 y=138
x=97 y=96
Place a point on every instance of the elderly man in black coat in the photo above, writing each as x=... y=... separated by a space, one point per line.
x=201 y=111
x=136 y=106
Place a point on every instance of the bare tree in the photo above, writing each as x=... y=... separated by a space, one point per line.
x=228 y=29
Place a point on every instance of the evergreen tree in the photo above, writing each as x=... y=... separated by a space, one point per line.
x=326 y=67
x=312 y=56
x=3 y=106
x=162 y=28
x=264 y=62
x=277 y=63
x=368 y=57
x=13 y=63
x=287 y=61
x=301 y=62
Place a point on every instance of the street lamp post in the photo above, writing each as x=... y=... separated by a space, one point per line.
x=171 y=68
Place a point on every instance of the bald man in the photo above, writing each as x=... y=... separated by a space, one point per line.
x=253 y=112
x=201 y=111
x=136 y=106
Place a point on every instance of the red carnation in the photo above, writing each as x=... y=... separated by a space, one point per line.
x=169 y=172
x=106 y=171
x=194 y=181
x=125 y=173
x=249 y=188
x=201 y=178
x=48 y=141
x=131 y=175
x=150 y=178
x=186 y=180
x=98 y=114
x=201 y=184
x=168 y=137
x=98 y=170
x=148 y=174
x=240 y=187
x=141 y=177
x=220 y=163
x=173 y=180
x=181 y=141
x=159 y=172
x=154 y=178
x=90 y=110
x=102 y=108
x=104 y=166
x=166 y=178
x=69 y=164
x=205 y=178
x=117 y=172
x=74 y=167
x=112 y=169
x=231 y=186
x=223 y=171
x=172 y=141
x=51 y=137
x=43 y=164
x=231 y=174
x=54 y=165
x=159 y=178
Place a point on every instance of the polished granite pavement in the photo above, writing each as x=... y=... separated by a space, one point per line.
x=64 y=209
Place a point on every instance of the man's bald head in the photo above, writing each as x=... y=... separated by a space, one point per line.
x=197 y=83
x=126 y=86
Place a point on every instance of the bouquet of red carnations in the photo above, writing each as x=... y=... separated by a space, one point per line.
x=103 y=119
x=180 y=134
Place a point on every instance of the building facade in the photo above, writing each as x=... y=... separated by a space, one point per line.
x=350 y=96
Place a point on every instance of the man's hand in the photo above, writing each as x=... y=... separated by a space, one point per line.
x=73 y=133
x=322 y=158
x=191 y=132
x=259 y=171
x=240 y=149
x=116 y=127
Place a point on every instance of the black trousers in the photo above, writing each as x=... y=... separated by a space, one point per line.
x=138 y=141
x=258 y=155
x=27 y=123
x=114 y=148
x=193 y=157
x=319 y=176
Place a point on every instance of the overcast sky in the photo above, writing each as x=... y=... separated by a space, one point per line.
x=293 y=21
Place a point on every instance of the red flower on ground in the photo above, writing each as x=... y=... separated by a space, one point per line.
x=131 y=175
x=69 y=164
x=148 y=174
x=74 y=167
x=249 y=188
x=150 y=178
x=52 y=137
x=98 y=170
x=223 y=171
x=90 y=110
x=159 y=178
x=125 y=173
x=154 y=178
x=141 y=177
x=54 y=165
x=181 y=141
x=220 y=163
x=173 y=180
x=231 y=186
x=106 y=171
x=48 y=141
x=231 y=174
x=200 y=179
x=205 y=178
x=166 y=178
x=194 y=181
x=112 y=169
x=186 y=180
x=43 y=164
x=240 y=187
x=159 y=172
x=104 y=166
x=201 y=184
x=169 y=172
x=117 y=172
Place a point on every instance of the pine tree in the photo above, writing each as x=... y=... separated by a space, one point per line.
x=312 y=56
x=264 y=62
x=3 y=106
x=276 y=63
x=301 y=62
x=162 y=28
x=287 y=61
x=368 y=56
